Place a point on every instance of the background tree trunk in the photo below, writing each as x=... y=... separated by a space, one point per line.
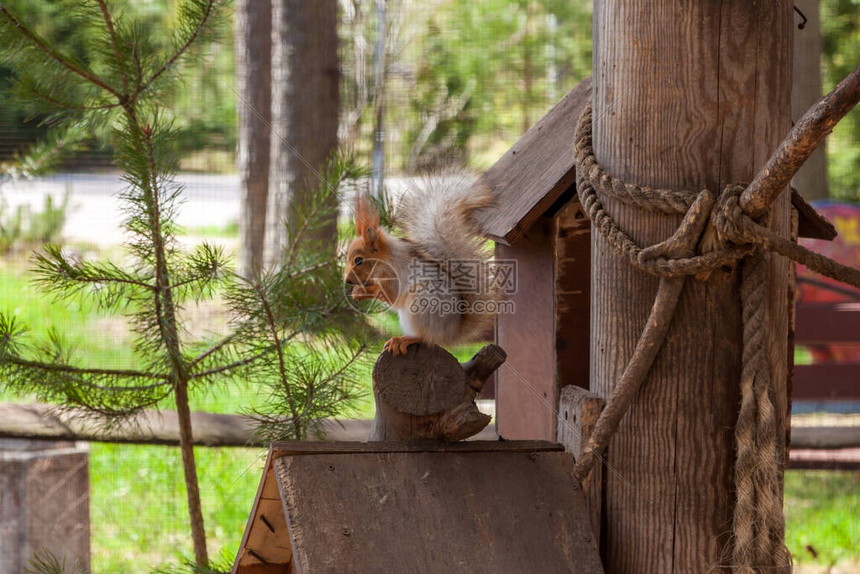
x=305 y=104
x=811 y=180
x=254 y=75
x=685 y=97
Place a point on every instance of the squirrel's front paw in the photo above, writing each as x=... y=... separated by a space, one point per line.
x=399 y=345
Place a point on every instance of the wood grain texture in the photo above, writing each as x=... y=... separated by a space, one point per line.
x=685 y=97
x=535 y=172
x=427 y=394
x=44 y=503
x=498 y=512
x=578 y=411
x=526 y=392
x=289 y=448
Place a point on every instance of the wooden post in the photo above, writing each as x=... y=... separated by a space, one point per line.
x=685 y=97
x=44 y=503
x=578 y=411
x=428 y=395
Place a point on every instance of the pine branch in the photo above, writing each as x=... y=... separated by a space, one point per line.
x=39 y=43
x=114 y=42
x=51 y=367
x=273 y=331
x=67 y=106
x=201 y=24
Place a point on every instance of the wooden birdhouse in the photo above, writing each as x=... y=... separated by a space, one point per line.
x=490 y=507
x=539 y=225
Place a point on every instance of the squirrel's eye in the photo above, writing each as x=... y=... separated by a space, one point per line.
x=359 y=260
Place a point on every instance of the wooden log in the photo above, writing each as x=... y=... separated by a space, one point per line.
x=44 y=504
x=41 y=421
x=428 y=395
x=578 y=411
x=685 y=97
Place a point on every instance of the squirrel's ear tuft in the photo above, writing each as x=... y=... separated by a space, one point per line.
x=372 y=239
x=366 y=217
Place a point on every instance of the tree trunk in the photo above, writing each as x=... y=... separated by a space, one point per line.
x=379 y=81
x=189 y=466
x=811 y=180
x=685 y=97
x=254 y=76
x=305 y=104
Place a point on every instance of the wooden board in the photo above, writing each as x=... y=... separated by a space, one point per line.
x=535 y=172
x=490 y=512
x=527 y=393
x=829 y=459
x=480 y=506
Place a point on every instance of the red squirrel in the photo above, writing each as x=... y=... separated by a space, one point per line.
x=433 y=273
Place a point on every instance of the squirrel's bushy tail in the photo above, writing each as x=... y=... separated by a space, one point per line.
x=436 y=211
x=436 y=215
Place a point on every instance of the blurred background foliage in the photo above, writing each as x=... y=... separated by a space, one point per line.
x=840 y=31
x=461 y=81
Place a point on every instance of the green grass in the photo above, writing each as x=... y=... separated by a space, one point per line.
x=228 y=231
x=138 y=513
x=822 y=511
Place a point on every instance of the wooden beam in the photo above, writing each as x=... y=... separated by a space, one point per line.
x=40 y=421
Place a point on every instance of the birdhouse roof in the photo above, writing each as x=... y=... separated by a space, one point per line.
x=538 y=169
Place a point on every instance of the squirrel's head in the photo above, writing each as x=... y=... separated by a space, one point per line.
x=369 y=248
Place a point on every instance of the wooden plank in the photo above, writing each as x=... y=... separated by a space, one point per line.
x=830 y=437
x=288 y=448
x=578 y=411
x=828 y=323
x=527 y=394
x=829 y=381
x=535 y=172
x=476 y=512
x=268 y=540
x=835 y=459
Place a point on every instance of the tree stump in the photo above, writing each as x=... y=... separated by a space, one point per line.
x=428 y=395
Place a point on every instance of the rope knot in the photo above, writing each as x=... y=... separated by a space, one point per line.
x=731 y=224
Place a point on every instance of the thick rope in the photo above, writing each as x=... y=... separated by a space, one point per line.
x=759 y=526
